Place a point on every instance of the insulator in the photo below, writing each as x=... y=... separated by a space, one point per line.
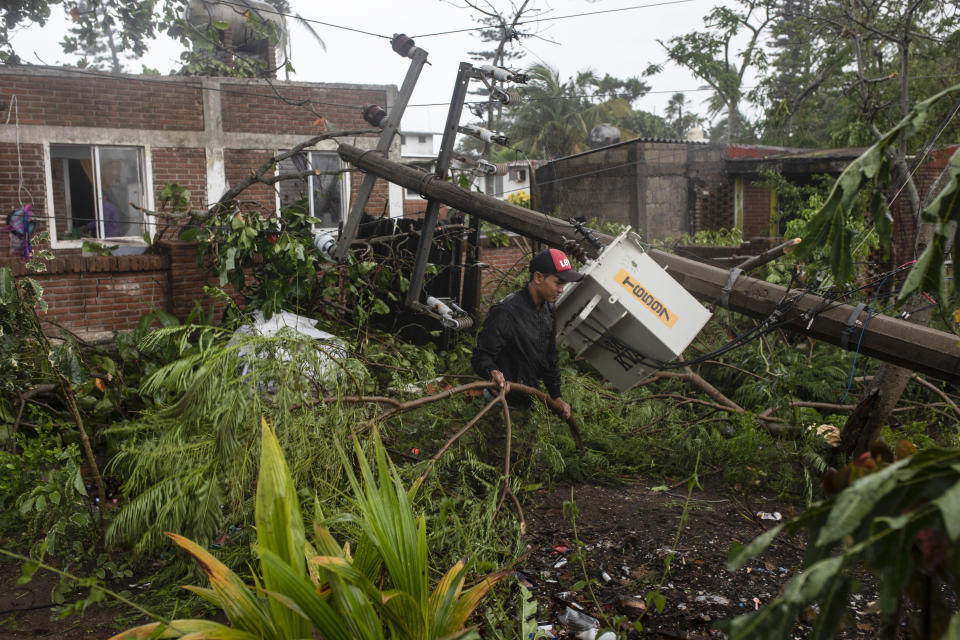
x=374 y=114
x=325 y=244
x=511 y=97
x=501 y=74
x=402 y=44
x=484 y=135
x=486 y=168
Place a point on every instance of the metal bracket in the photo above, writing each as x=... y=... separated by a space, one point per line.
x=727 y=288
x=850 y=325
x=443 y=163
x=390 y=128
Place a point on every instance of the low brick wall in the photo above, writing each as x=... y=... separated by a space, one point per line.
x=96 y=294
x=91 y=295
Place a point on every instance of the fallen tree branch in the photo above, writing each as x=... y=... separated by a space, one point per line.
x=268 y=166
x=24 y=397
x=937 y=391
x=479 y=385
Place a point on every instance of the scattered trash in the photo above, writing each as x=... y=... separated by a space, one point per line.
x=525 y=580
x=633 y=606
x=560 y=563
x=714 y=599
x=763 y=515
x=330 y=348
x=573 y=617
x=605 y=576
x=756 y=603
x=829 y=433
x=561 y=548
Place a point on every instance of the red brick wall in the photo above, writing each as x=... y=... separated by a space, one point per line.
x=93 y=294
x=31 y=159
x=239 y=164
x=756 y=210
x=117 y=103
x=256 y=108
x=187 y=167
x=502 y=264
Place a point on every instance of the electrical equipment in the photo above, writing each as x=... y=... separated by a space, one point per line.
x=627 y=314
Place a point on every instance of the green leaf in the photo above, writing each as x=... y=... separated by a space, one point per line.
x=78 y=483
x=656 y=599
x=7 y=285
x=809 y=584
x=953 y=629
x=856 y=501
x=279 y=528
x=739 y=553
x=221 y=25
x=191 y=233
x=66 y=363
x=949 y=504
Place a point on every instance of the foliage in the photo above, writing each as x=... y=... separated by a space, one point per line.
x=519 y=198
x=899 y=516
x=713 y=56
x=840 y=73
x=13 y=14
x=323 y=586
x=681 y=118
x=109 y=33
x=269 y=261
x=555 y=116
x=186 y=466
x=829 y=227
x=713 y=238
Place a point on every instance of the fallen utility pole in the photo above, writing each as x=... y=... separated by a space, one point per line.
x=919 y=348
x=922 y=349
x=532 y=224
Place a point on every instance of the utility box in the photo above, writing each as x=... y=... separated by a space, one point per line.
x=627 y=313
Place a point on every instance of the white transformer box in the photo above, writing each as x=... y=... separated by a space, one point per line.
x=627 y=313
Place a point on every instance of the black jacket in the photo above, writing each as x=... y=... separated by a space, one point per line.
x=520 y=341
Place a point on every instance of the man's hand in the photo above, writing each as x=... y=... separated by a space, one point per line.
x=565 y=410
x=497 y=376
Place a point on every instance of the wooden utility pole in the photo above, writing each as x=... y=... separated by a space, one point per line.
x=919 y=348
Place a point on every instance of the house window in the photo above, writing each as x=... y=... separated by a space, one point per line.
x=96 y=191
x=328 y=192
x=493 y=186
x=403 y=139
x=421 y=139
x=518 y=175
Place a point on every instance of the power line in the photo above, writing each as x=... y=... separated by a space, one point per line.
x=554 y=18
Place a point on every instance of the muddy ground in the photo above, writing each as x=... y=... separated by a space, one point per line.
x=626 y=532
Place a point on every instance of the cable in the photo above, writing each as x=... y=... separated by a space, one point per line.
x=549 y=19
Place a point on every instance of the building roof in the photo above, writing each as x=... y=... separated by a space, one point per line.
x=806 y=161
x=699 y=143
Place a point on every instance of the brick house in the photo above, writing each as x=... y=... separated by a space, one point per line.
x=88 y=143
x=667 y=188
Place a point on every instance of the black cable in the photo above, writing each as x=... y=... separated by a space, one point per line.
x=554 y=18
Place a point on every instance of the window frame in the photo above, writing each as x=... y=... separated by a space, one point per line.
x=145 y=172
x=343 y=179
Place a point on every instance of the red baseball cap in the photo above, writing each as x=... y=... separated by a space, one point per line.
x=556 y=262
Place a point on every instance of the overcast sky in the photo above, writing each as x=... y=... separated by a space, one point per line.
x=621 y=43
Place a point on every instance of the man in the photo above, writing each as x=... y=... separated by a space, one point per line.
x=518 y=340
